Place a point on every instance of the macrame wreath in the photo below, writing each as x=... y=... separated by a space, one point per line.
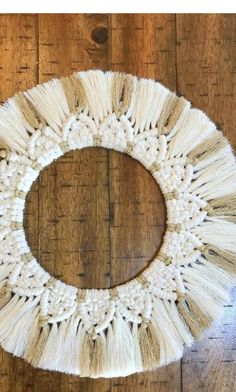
x=147 y=322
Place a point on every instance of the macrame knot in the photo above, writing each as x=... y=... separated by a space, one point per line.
x=64 y=147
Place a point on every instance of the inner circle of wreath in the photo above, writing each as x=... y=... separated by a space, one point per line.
x=148 y=321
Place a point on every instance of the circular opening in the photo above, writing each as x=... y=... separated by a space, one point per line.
x=95 y=218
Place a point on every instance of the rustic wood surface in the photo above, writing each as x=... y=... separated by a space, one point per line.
x=95 y=218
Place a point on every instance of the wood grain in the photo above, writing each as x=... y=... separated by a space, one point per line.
x=95 y=218
x=208 y=80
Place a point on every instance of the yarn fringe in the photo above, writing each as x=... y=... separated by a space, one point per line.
x=220 y=257
x=216 y=231
x=124 y=348
x=223 y=207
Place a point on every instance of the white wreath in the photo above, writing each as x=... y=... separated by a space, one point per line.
x=148 y=321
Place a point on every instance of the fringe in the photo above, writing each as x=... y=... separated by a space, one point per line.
x=97 y=84
x=189 y=318
x=16 y=321
x=203 y=300
x=209 y=294
x=178 y=322
x=149 y=345
x=13 y=133
x=74 y=93
x=171 y=347
x=223 y=207
x=50 y=101
x=220 y=257
x=98 y=355
x=15 y=338
x=207 y=150
x=215 y=232
x=195 y=129
x=169 y=105
x=122 y=357
x=144 y=117
x=122 y=87
x=32 y=116
x=209 y=185
x=37 y=342
x=68 y=362
x=173 y=115
x=84 y=351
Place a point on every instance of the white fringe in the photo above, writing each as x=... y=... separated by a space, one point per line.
x=154 y=96
x=171 y=347
x=15 y=337
x=122 y=357
x=208 y=181
x=181 y=328
x=194 y=130
x=98 y=90
x=217 y=233
x=13 y=132
x=50 y=101
x=211 y=293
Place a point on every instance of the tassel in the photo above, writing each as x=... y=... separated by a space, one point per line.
x=121 y=357
x=15 y=338
x=171 y=100
x=13 y=133
x=149 y=345
x=74 y=93
x=137 y=353
x=195 y=129
x=208 y=149
x=14 y=310
x=53 y=346
x=97 y=84
x=218 y=276
x=202 y=318
x=224 y=207
x=50 y=101
x=189 y=318
x=153 y=114
x=68 y=362
x=181 y=328
x=84 y=342
x=220 y=257
x=208 y=300
x=173 y=114
x=216 y=233
x=177 y=116
x=122 y=87
x=217 y=290
x=98 y=355
x=31 y=115
x=171 y=346
x=37 y=342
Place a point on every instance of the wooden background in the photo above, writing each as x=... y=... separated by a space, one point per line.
x=96 y=218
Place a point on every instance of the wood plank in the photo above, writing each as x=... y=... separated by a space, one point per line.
x=73 y=202
x=143 y=45
x=18 y=71
x=206 y=58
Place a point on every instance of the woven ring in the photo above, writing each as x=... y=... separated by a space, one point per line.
x=146 y=322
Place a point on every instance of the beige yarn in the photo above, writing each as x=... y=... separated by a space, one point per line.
x=147 y=322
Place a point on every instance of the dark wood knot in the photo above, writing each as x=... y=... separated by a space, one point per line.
x=99 y=34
